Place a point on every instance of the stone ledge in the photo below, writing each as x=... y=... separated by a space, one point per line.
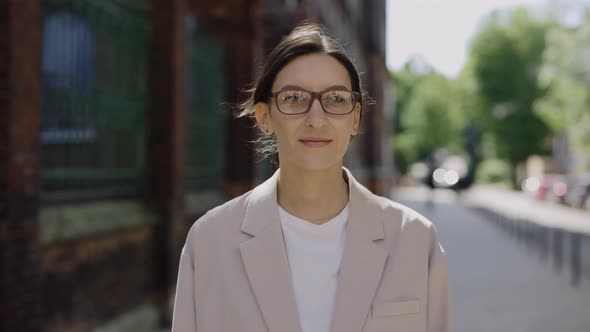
x=198 y=203
x=71 y=221
x=142 y=319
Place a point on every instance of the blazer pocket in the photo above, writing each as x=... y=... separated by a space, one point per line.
x=386 y=309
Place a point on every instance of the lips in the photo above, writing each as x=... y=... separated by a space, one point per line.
x=315 y=141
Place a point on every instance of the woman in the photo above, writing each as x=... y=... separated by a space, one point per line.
x=311 y=249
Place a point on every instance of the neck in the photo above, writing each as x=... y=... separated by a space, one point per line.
x=312 y=195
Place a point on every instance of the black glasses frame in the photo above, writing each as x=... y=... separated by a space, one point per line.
x=317 y=95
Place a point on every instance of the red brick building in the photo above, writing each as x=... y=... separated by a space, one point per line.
x=116 y=133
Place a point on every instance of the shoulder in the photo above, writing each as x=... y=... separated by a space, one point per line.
x=394 y=214
x=219 y=221
x=397 y=213
x=406 y=225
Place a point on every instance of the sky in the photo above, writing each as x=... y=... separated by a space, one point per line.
x=439 y=30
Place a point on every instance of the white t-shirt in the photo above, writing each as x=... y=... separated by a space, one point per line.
x=314 y=253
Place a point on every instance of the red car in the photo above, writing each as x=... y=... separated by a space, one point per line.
x=552 y=187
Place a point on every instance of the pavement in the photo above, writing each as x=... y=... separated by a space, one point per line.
x=509 y=275
x=513 y=205
x=506 y=277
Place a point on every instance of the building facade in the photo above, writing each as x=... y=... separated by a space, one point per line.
x=116 y=133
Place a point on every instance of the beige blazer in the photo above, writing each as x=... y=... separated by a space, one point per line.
x=234 y=272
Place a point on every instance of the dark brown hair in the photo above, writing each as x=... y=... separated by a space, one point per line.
x=306 y=38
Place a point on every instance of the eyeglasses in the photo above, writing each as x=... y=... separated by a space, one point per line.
x=334 y=101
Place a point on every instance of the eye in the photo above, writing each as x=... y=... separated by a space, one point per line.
x=292 y=97
x=335 y=97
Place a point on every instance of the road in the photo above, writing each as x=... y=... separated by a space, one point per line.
x=508 y=275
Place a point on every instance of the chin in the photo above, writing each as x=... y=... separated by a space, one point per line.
x=317 y=163
x=318 y=160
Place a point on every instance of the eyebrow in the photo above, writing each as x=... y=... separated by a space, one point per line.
x=296 y=87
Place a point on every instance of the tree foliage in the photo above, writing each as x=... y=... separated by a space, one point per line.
x=429 y=116
x=565 y=74
x=525 y=80
x=505 y=57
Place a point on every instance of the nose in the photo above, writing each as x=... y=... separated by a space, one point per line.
x=316 y=117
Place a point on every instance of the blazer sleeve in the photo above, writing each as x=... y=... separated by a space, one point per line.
x=439 y=301
x=184 y=315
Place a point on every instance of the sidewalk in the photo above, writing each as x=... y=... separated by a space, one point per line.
x=519 y=206
x=510 y=204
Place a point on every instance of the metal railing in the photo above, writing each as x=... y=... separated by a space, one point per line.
x=205 y=112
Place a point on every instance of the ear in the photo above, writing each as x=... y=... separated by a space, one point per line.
x=357 y=119
x=263 y=118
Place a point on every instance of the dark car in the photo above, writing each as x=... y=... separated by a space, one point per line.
x=579 y=192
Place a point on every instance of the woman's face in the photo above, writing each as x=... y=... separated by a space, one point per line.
x=314 y=140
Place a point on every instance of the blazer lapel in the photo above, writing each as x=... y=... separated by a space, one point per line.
x=362 y=261
x=267 y=266
x=265 y=260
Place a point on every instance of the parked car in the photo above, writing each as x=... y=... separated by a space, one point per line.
x=579 y=192
x=551 y=187
x=452 y=174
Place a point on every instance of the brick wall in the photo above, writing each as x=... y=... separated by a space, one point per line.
x=236 y=31
x=83 y=282
x=92 y=280
x=166 y=141
x=20 y=277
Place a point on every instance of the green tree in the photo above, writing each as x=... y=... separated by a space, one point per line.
x=505 y=57
x=565 y=74
x=406 y=80
x=430 y=120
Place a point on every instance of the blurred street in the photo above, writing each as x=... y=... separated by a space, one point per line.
x=119 y=129
x=508 y=274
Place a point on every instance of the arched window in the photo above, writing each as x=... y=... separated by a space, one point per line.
x=93 y=99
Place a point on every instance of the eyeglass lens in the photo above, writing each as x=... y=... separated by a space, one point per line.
x=298 y=101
